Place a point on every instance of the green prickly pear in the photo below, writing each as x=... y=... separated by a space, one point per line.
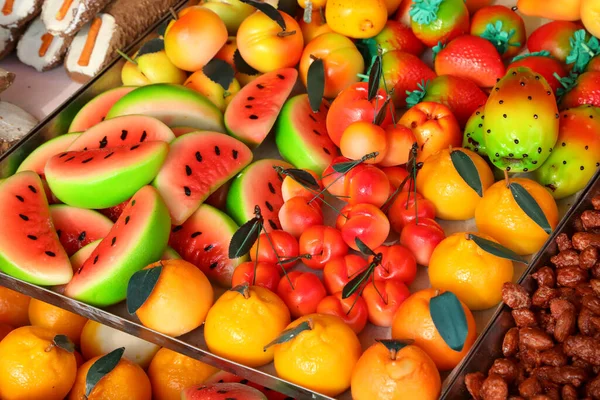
x=576 y=156
x=473 y=136
x=521 y=121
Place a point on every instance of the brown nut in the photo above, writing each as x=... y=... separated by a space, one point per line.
x=563 y=242
x=530 y=387
x=524 y=317
x=592 y=389
x=567 y=258
x=568 y=392
x=584 y=322
x=582 y=240
x=555 y=357
x=530 y=358
x=494 y=388
x=561 y=375
x=595 y=284
x=535 y=338
x=595 y=271
x=546 y=322
x=541 y=297
x=592 y=303
x=584 y=347
x=473 y=382
x=510 y=344
x=505 y=368
x=545 y=277
x=565 y=315
x=515 y=296
x=571 y=276
x=588 y=257
x=590 y=219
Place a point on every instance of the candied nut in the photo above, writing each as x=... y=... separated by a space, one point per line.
x=595 y=320
x=595 y=271
x=592 y=389
x=565 y=315
x=582 y=240
x=544 y=397
x=546 y=322
x=584 y=289
x=584 y=321
x=555 y=357
x=530 y=358
x=494 y=388
x=588 y=257
x=578 y=362
x=530 y=387
x=590 y=219
x=524 y=317
x=596 y=202
x=545 y=277
x=541 y=297
x=568 y=392
x=571 y=276
x=515 y=296
x=561 y=375
x=510 y=344
x=563 y=242
x=592 y=303
x=595 y=284
x=570 y=294
x=535 y=338
x=515 y=398
x=586 y=348
x=474 y=381
x=577 y=225
x=567 y=258
x=505 y=368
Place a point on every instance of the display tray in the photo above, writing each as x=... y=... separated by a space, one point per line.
x=193 y=344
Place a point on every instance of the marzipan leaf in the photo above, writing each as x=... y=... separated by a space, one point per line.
x=363 y=247
x=467 y=170
x=162 y=28
x=380 y=117
x=374 y=78
x=140 y=287
x=102 y=367
x=449 y=319
x=315 y=85
x=303 y=177
x=289 y=334
x=496 y=249
x=268 y=10
x=219 y=72
x=152 y=46
x=528 y=204
x=245 y=237
x=345 y=166
x=395 y=345
x=64 y=343
x=242 y=66
x=355 y=283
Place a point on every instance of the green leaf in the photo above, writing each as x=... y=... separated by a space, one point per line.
x=416 y=96
x=449 y=319
x=302 y=177
x=363 y=248
x=268 y=10
x=496 y=249
x=140 y=287
x=102 y=367
x=381 y=114
x=289 y=334
x=355 y=283
x=242 y=66
x=345 y=166
x=395 y=344
x=245 y=237
x=162 y=28
x=437 y=48
x=499 y=37
x=152 y=46
x=528 y=204
x=467 y=170
x=63 y=342
x=543 y=53
x=315 y=85
x=220 y=72
x=374 y=77
x=424 y=11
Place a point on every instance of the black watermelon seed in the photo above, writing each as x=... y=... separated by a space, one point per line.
x=269 y=206
x=500 y=102
x=95 y=259
x=85 y=149
x=209 y=247
x=260 y=86
x=32 y=237
x=134 y=147
x=123 y=134
x=311 y=117
x=133 y=203
x=213 y=265
x=525 y=155
x=108 y=155
x=280 y=76
x=250 y=98
x=504 y=115
x=514 y=73
x=480 y=125
x=24 y=217
x=497 y=89
x=479 y=112
x=273 y=224
x=103 y=142
x=529 y=98
x=244 y=381
x=549 y=93
x=50 y=254
x=196 y=234
x=254 y=116
x=113 y=241
x=271 y=188
x=217 y=150
x=591 y=117
x=316 y=132
x=58 y=232
x=550 y=149
x=87 y=160
x=177 y=228
x=582 y=168
x=497 y=154
x=81 y=236
x=62 y=155
x=510 y=154
x=557 y=116
x=248 y=106
x=489 y=131
x=522 y=83
x=537 y=77
x=34 y=190
x=143 y=137
x=234 y=153
x=198 y=156
x=483 y=117
x=508 y=168
x=587 y=147
x=127 y=218
x=188 y=170
x=187 y=191
x=598 y=164
x=222 y=391
x=21 y=199
x=326 y=151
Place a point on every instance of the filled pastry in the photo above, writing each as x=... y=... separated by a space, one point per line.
x=8 y=40
x=6 y=79
x=66 y=17
x=16 y=13
x=14 y=124
x=40 y=49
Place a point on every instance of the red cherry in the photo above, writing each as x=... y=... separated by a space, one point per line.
x=297 y=215
x=352 y=310
x=368 y=184
x=339 y=271
x=323 y=243
x=267 y=275
x=397 y=263
x=383 y=299
x=422 y=238
x=303 y=295
x=363 y=221
x=405 y=209
x=278 y=241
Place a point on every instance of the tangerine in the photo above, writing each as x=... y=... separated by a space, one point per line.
x=55 y=318
x=14 y=307
x=356 y=19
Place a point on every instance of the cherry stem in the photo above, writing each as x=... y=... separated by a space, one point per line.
x=314 y=58
x=173 y=13
x=393 y=354
x=362 y=76
x=256 y=261
x=286 y=33
x=126 y=57
x=279 y=260
x=506 y=179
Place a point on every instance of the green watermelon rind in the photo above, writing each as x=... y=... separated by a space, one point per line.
x=170 y=254
x=153 y=100
x=46 y=151
x=90 y=108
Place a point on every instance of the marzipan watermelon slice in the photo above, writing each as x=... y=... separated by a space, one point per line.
x=29 y=246
x=96 y=109
x=77 y=227
x=36 y=161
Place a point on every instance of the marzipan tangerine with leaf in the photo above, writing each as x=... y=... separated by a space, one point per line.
x=455 y=181
x=14 y=307
x=460 y=265
x=151 y=65
x=319 y=352
x=395 y=370
x=356 y=19
x=61 y=321
x=444 y=328
x=36 y=363
x=111 y=377
x=519 y=213
x=172 y=296
x=216 y=82
x=243 y=321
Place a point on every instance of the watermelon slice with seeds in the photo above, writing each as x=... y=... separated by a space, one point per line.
x=197 y=165
x=36 y=161
x=253 y=111
x=29 y=246
x=77 y=227
x=96 y=109
x=137 y=239
x=103 y=178
x=123 y=131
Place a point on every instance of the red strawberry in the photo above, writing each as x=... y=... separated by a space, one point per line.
x=462 y=96
x=594 y=64
x=503 y=27
x=470 y=57
x=554 y=37
x=544 y=64
x=580 y=90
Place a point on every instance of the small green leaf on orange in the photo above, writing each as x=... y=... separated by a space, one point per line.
x=220 y=72
x=289 y=334
x=302 y=177
x=395 y=344
x=449 y=319
x=530 y=207
x=467 y=170
x=315 y=85
x=152 y=46
x=496 y=249
x=63 y=342
x=242 y=66
x=162 y=28
x=245 y=237
x=374 y=77
x=102 y=367
x=268 y=10
x=140 y=287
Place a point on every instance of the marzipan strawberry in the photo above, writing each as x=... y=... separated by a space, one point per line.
x=436 y=21
x=503 y=27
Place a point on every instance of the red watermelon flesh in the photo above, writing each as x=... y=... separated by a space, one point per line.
x=228 y=377
x=96 y=109
x=197 y=165
x=36 y=161
x=29 y=246
x=253 y=111
x=123 y=131
x=222 y=391
x=77 y=227
x=113 y=213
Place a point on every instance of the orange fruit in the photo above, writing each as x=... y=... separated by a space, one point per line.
x=5 y=329
x=499 y=216
x=171 y=372
x=413 y=321
x=242 y=323
x=440 y=182
x=127 y=381
x=408 y=373
x=475 y=276
x=33 y=368
x=179 y=301
x=317 y=26
x=358 y=19
x=55 y=318
x=14 y=307
x=321 y=358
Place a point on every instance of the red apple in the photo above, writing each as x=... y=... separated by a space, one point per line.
x=304 y=293
x=421 y=238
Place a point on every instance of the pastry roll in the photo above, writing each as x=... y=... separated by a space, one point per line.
x=65 y=17
x=8 y=40
x=16 y=13
x=6 y=79
x=40 y=49
x=14 y=124
x=119 y=24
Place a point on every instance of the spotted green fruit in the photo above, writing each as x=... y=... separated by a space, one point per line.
x=473 y=136
x=521 y=121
